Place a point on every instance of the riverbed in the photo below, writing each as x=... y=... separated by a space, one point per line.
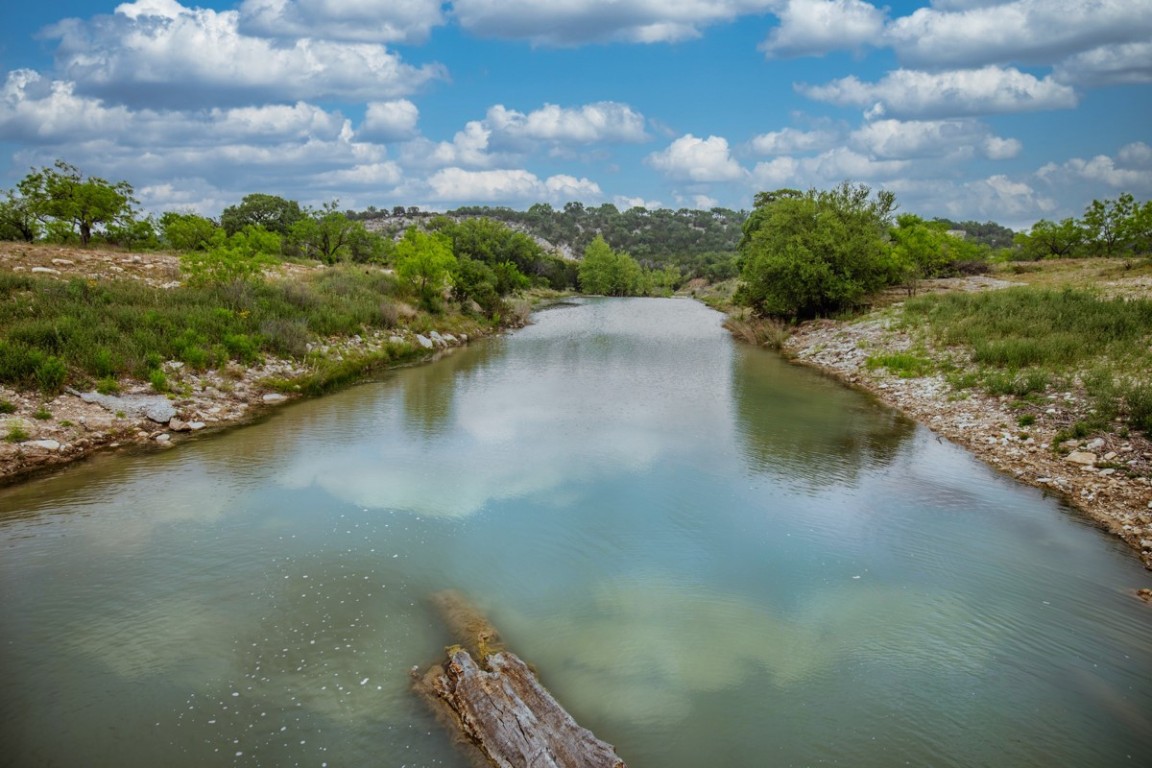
x=712 y=557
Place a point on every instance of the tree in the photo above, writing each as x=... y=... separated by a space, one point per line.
x=1108 y=224
x=927 y=249
x=17 y=221
x=187 y=231
x=811 y=254
x=66 y=201
x=606 y=272
x=1051 y=240
x=271 y=212
x=425 y=261
x=329 y=236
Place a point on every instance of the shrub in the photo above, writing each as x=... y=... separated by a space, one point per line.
x=50 y=374
x=6 y=406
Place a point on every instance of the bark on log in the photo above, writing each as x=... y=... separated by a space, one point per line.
x=496 y=706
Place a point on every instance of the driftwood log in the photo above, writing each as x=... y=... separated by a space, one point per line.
x=492 y=701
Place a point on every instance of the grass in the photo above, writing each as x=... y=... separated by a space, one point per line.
x=54 y=332
x=902 y=364
x=1024 y=341
x=17 y=432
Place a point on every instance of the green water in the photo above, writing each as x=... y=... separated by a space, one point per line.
x=713 y=558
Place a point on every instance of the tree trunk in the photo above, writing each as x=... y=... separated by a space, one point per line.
x=502 y=716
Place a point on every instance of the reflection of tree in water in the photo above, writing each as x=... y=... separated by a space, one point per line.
x=807 y=427
x=430 y=390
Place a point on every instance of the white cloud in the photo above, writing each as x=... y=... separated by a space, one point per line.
x=704 y=202
x=188 y=56
x=389 y=120
x=694 y=159
x=1037 y=31
x=604 y=121
x=469 y=147
x=1130 y=63
x=815 y=27
x=624 y=203
x=36 y=110
x=958 y=93
x=372 y=175
x=931 y=138
x=572 y=22
x=507 y=185
x=790 y=141
x=830 y=167
x=383 y=21
x=1128 y=172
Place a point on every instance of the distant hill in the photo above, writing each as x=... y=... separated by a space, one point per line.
x=701 y=243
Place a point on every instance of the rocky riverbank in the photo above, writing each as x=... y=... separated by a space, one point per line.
x=38 y=433
x=1108 y=477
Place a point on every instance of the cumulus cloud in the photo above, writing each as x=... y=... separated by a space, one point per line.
x=694 y=159
x=507 y=185
x=624 y=203
x=1129 y=63
x=383 y=21
x=605 y=121
x=931 y=138
x=958 y=93
x=1127 y=172
x=160 y=53
x=814 y=27
x=790 y=141
x=573 y=22
x=1034 y=31
x=389 y=120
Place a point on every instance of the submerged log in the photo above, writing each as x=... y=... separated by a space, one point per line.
x=501 y=714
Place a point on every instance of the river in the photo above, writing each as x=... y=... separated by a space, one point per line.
x=712 y=557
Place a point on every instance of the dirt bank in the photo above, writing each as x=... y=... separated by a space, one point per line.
x=1106 y=476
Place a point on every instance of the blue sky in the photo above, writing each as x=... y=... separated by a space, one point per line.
x=1010 y=110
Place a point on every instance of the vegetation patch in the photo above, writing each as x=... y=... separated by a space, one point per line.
x=903 y=364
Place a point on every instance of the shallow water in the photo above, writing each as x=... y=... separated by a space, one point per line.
x=713 y=558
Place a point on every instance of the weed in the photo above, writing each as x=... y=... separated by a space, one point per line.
x=7 y=406
x=42 y=413
x=108 y=386
x=17 y=432
x=1025 y=420
x=902 y=364
x=158 y=380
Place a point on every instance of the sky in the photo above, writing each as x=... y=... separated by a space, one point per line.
x=1003 y=110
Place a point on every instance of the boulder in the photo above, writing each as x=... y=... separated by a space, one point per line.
x=424 y=341
x=1084 y=458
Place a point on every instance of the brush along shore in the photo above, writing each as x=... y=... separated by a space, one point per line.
x=227 y=375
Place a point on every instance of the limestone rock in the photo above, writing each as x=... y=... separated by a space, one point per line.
x=1084 y=458
x=273 y=398
x=47 y=445
x=176 y=425
x=154 y=407
x=424 y=341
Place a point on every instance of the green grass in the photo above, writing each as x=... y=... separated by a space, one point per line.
x=1024 y=341
x=17 y=432
x=902 y=364
x=54 y=333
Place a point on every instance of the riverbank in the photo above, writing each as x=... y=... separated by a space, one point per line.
x=1106 y=475
x=39 y=433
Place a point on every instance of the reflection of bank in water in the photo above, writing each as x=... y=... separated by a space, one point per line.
x=809 y=430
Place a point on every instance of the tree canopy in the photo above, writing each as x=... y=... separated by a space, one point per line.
x=271 y=212
x=67 y=202
x=606 y=272
x=814 y=253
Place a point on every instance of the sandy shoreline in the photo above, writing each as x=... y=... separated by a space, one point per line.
x=1106 y=477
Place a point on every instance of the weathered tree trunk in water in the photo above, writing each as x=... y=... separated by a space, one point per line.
x=499 y=711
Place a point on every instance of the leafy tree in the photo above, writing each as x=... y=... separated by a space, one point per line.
x=271 y=212
x=474 y=280
x=811 y=254
x=329 y=236
x=926 y=249
x=134 y=234
x=425 y=262
x=1108 y=223
x=1048 y=239
x=17 y=221
x=606 y=272
x=187 y=231
x=67 y=202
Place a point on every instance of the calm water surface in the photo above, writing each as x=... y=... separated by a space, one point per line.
x=713 y=558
